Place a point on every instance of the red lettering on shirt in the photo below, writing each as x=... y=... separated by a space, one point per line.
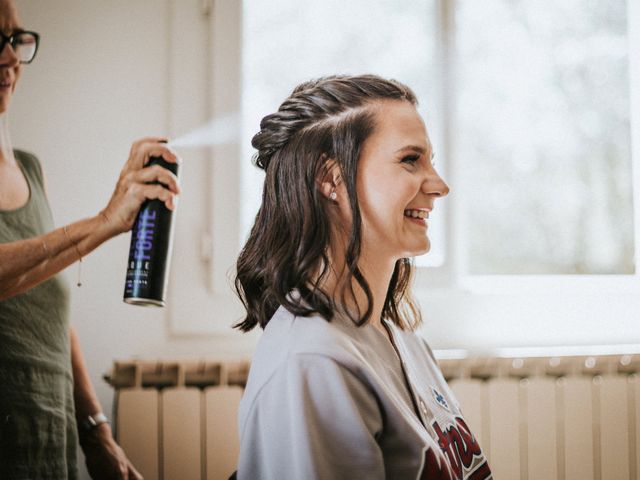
x=460 y=448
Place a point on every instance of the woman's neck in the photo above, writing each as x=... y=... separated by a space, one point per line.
x=377 y=272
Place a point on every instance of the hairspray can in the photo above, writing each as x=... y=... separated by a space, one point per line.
x=150 y=251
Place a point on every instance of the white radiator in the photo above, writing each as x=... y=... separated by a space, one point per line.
x=544 y=418
x=177 y=420
x=553 y=418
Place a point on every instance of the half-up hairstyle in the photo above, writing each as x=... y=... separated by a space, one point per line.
x=287 y=249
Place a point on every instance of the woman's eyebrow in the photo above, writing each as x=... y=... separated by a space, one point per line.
x=416 y=148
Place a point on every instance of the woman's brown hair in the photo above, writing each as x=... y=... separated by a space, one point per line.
x=328 y=118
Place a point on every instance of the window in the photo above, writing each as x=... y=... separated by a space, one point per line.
x=543 y=132
x=529 y=100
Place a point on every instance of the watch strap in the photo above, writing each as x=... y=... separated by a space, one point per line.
x=92 y=421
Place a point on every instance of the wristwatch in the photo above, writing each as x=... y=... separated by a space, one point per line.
x=92 y=421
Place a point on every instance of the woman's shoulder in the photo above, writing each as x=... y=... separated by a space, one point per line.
x=26 y=157
x=29 y=162
x=311 y=335
x=289 y=339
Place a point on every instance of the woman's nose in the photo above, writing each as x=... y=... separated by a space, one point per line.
x=435 y=185
x=8 y=57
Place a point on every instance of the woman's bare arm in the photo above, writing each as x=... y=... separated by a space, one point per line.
x=26 y=263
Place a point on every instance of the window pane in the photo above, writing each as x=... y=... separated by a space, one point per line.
x=543 y=135
x=290 y=41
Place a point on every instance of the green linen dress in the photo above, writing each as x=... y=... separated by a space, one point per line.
x=38 y=437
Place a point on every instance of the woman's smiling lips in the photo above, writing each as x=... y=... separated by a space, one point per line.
x=417 y=215
x=5 y=84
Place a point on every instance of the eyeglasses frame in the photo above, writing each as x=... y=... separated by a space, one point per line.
x=4 y=40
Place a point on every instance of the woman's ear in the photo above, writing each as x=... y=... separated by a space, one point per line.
x=329 y=179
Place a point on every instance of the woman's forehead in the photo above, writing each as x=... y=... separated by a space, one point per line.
x=9 y=20
x=400 y=122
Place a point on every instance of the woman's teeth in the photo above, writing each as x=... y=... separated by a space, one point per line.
x=416 y=213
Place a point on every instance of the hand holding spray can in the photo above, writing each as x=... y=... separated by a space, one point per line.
x=150 y=251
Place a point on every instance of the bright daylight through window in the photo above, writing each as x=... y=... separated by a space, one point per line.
x=540 y=130
x=544 y=137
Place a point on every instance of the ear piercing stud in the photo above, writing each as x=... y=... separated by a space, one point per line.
x=333 y=196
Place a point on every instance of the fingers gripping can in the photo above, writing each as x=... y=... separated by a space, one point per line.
x=150 y=251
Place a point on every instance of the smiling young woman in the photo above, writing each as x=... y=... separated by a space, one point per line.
x=340 y=385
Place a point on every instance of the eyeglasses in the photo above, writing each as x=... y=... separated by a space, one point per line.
x=24 y=44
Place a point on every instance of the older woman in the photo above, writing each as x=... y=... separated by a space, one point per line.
x=46 y=398
x=340 y=385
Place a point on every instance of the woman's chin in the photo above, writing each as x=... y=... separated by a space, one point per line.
x=419 y=250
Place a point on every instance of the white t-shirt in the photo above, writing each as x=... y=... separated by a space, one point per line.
x=330 y=400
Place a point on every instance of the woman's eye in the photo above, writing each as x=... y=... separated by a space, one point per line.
x=411 y=159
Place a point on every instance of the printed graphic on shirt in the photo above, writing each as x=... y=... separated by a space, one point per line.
x=439 y=398
x=461 y=457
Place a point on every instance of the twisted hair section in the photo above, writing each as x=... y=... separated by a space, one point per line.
x=321 y=102
x=287 y=248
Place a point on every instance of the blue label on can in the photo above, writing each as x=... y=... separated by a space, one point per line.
x=150 y=250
